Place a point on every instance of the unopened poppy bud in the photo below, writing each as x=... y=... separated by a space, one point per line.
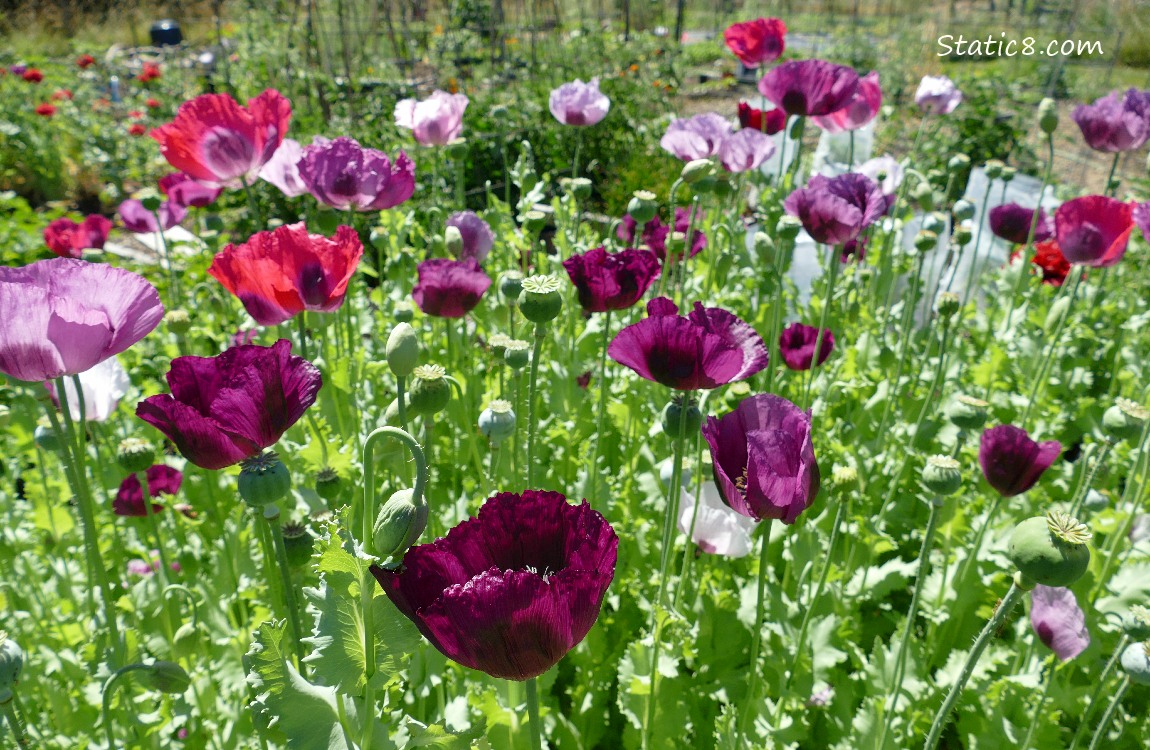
x=962 y=235
x=328 y=484
x=497 y=421
x=844 y=476
x=925 y=240
x=135 y=454
x=993 y=169
x=1050 y=550
x=1048 y=115
x=935 y=222
x=151 y=203
x=46 y=437
x=681 y=417
x=1125 y=420
x=11 y=662
x=178 y=321
x=298 y=543
x=430 y=391
x=947 y=305
x=186 y=641
x=697 y=169
x=167 y=677
x=534 y=221
x=399 y=524
x=511 y=286
x=1136 y=662
x=457 y=148
x=403 y=312
x=963 y=210
x=1008 y=173
x=642 y=206
x=402 y=350
x=264 y=480
x=542 y=301
x=958 y=163
x=1137 y=623
x=764 y=245
x=923 y=195
x=942 y=475
x=453 y=241
x=518 y=354
x=788 y=227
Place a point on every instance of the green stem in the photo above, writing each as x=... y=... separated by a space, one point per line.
x=1108 y=717
x=253 y=207
x=271 y=514
x=1088 y=480
x=1052 y=347
x=16 y=722
x=108 y=692
x=172 y=282
x=533 y=714
x=1099 y=685
x=601 y=412
x=532 y=397
x=1111 y=187
x=301 y=326
x=1037 y=715
x=756 y=637
x=154 y=528
x=832 y=276
x=973 y=277
x=908 y=319
x=936 y=383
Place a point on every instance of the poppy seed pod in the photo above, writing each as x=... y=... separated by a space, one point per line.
x=1008 y=173
x=697 y=169
x=518 y=354
x=681 y=416
x=764 y=245
x=135 y=455
x=788 y=227
x=328 y=484
x=1050 y=550
x=1136 y=662
x=399 y=523
x=457 y=148
x=263 y=480
x=1137 y=623
x=925 y=240
x=967 y=413
x=923 y=195
x=963 y=210
x=542 y=300
x=962 y=235
x=497 y=421
x=958 y=163
x=430 y=391
x=1125 y=420
x=167 y=677
x=935 y=222
x=534 y=221
x=11 y=662
x=498 y=343
x=580 y=187
x=844 y=476
x=1048 y=115
x=642 y=206
x=403 y=312
x=942 y=475
x=511 y=286
x=298 y=543
x=993 y=169
x=178 y=321
x=947 y=305
x=402 y=350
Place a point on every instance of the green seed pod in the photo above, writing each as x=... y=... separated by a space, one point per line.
x=1137 y=623
x=942 y=475
x=923 y=194
x=457 y=148
x=430 y=391
x=11 y=662
x=967 y=413
x=1125 y=420
x=518 y=354
x=511 y=286
x=542 y=300
x=398 y=524
x=963 y=210
x=1136 y=662
x=498 y=343
x=1050 y=549
x=934 y=222
x=947 y=305
x=962 y=235
x=764 y=246
x=580 y=187
x=46 y=437
x=683 y=414
x=328 y=484
x=453 y=241
x=1008 y=173
x=534 y=221
x=925 y=240
x=264 y=480
x=135 y=455
x=722 y=187
x=642 y=206
x=403 y=312
x=167 y=677
x=696 y=170
x=186 y=641
x=958 y=164
x=797 y=128
x=993 y=169
x=178 y=321
x=1048 y=115
x=402 y=350
x=844 y=476
x=497 y=421
x=499 y=112
x=298 y=542
x=788 y=227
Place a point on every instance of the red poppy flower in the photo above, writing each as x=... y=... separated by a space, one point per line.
x=756 y=42
x=151 y=103
x=61 y=94
x=45 y=109
x=1048 y=257
x=769 y=121
x=1094 y=230
x=33 y=75
x=136 y=114
x=150 y=72
x=136 y=129
x=85 y=61
x=68 y=239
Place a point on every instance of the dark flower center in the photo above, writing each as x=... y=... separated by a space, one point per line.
x=741 y=482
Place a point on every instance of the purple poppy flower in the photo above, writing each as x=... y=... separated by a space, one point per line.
x=478 y=239
x=435 y=121
x=449 y=288
x=1094 y=230
x=763 y=458
x=655 y=233
x=719 y=529
x=512 y=590
x=1058 y=621
x=18 y=69
x=810 y=88
x=282 y=170
x=186 y=192
x=140 y=220
x=162 y=480
x=834 y=211
x=230 y=407
x=853 y=250
x=706 y=349
x=611 y=281
x=1115 y=125
x=937 y=95
x=889 y=170
x=1011 y=461
x=344 y=175
x=797 y=345
x=1141 y=218
x=698 y=137
x=859 y=111
x=579 y=103
x=1011 y=222
x=745 y=150
x=63 y=316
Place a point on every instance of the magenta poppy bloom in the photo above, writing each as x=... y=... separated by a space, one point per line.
x=756 y=42
x=140 y=220
x=478 y=239
x=579 y=103
x=611 y=281
x=282 y=170
x=853 y=250
x=797 y=345
x=770 y=121
x=63 y=316
x=230 y=407
x=764 y=460
x=1114 y=125
x=810 y=88
x=187 y=192
x=655 y=233
x=1141 y=217
x=435 y=121
x=745 y=150
x=1058 y=621
x=1011 y=461
x=344 y=175
x=859 y=111
x=216 y=141
x=1094 y=230
x=834 y=211
x=512 y=590
x=69 y=239
x=698 y=137
x=162 y=480
x=449 y=288
x=1011 y=222
x=937 y=95
x=705 y=349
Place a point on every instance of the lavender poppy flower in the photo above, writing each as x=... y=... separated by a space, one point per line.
x=1011 y=461
x=1011 y=222
x=162 y=480
x=579 y=103
x=706 y=349
x=63 y=316
x=102 y=387
x=435 y=121
x=140 y=220
x=889 y=170
x=834 y=211
x=282 y=170
x=185 y=192
x=797 y=345
x=1094 y=230
x=449 y=288
x=344 y=175
x=937 y=95
x=230 y=407
x=745 y=150
x=1114 y=125
x=859 y=111
x=1058 y=621
x=698 y=137
x=719 y=530
x=611 y=281
x=478 y=239
x=512 y=590
x=810 y=88
x=763 y=458
x=1141 y=218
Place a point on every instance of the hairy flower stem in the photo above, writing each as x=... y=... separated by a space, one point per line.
x=401 y=400
x=1037 y=715
x=972 y=279
x=828 y=298
x=106 y=702
x=936 y=384
x=756 y=637
x=1099 y=685
x=532 y=397
x=1051 y=349
x=271 y=515
x=1108 y=717
x=253 y=207
x=536 y=727
x=993 y=624
x=1111 y=185
x=173 y=282
x=601 y=412
x=16 y=723
x=1094 y=463
x=301 y=327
